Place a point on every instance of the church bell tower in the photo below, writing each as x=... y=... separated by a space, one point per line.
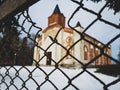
x=57 y=18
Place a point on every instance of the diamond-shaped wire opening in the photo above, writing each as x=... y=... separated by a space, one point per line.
x=85 y=77
x=59 y=79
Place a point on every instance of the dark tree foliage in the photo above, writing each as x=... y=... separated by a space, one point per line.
x=112 y=4
x=9 y=41
x=13 y=50
x=23 y=56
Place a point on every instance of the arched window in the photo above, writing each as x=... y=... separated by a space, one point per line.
x=102 y=60
x=91 y=52
x=108 y=52
x=96 y=54
x=85 y=53
x=107 y=59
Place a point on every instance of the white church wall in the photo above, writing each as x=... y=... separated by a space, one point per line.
x=69 y=60
x=55 y=49
x=51 y=49
x=77 y=48
x=59 y=48
x=35 y=55
x=42 y=58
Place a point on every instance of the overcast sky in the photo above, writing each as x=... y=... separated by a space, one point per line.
x=40 y=12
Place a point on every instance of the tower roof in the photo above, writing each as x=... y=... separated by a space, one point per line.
x=78 y=24
x=56 y=10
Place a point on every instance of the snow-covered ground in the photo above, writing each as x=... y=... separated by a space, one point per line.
x=83 y=82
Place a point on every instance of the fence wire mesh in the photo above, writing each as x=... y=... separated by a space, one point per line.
x=9 y=75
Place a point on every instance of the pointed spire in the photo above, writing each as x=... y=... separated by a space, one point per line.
x=56 y=10
x=78 y=24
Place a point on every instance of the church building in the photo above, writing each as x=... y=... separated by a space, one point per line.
x=63 y=46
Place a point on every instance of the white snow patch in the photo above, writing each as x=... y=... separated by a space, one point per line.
x=83 y=81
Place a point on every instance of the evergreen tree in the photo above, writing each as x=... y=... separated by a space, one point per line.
x=23 y=57
x=13 y=50
x=9 y=41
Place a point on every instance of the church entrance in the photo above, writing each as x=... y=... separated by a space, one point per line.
x=49 y=55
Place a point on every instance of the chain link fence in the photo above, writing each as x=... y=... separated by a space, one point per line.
x=9 y=75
